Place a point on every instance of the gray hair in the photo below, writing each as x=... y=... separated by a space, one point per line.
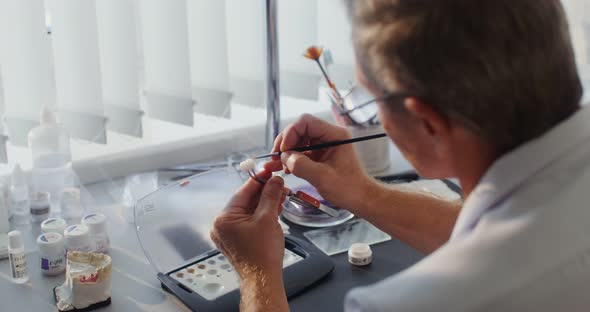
x=505 y=69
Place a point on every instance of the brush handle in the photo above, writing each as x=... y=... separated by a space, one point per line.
x=328 y=80
x=327 y=145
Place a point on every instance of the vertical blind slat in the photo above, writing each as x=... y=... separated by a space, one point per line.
x=26 y=65
x=208 y=56
x=119 y=64
x=334 y=33
x=245 y=40
x=77 y=68
x=166 y=59
x=298 y=29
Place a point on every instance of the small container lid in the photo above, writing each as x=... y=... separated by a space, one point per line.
x=54 y=225
x=50 y=243
x=360 y=251
x=96 y=223
x=77 y=235
x=15 y=240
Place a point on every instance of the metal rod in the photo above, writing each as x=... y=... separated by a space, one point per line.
x=273 y=103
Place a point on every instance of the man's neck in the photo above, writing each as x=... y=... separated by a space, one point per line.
x=472 y=162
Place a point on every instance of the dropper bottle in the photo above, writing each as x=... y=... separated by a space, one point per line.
x=19 y=195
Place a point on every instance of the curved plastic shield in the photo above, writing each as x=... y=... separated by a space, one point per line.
x=173 y=223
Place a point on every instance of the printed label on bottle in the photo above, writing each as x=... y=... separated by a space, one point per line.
x=18 y=265
x=37 y=211
x=49 y=264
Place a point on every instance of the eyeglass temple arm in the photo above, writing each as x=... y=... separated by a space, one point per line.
x=383 y=98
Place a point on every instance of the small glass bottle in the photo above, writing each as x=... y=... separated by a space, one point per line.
x=5 y=185
x=19 y=193
x=78 y=238
x=4 y=213
x=71 y=205
x=18 y=259
x=97 y=226
x=40 y=206
x=50 y=149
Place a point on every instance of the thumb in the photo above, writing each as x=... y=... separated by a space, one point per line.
x=302 y=166
x=271 y=198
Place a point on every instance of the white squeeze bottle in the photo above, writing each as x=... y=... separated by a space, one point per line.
x=18 y=259
x=50 y=149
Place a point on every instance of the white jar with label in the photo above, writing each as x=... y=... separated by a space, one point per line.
x=78 y=238
x=54 y=225
x=360 y=254
x=52 y=253
x=97 y=226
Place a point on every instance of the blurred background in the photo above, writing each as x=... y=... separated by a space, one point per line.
x=143 y=84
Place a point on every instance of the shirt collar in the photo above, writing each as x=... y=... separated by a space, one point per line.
x=514 y=168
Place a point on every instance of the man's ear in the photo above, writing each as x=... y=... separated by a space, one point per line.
x=432 y=122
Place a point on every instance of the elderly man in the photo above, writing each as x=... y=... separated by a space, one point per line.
x=486 y=91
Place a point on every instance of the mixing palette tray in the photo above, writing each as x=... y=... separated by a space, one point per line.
x=210 y=283
x=215 y=277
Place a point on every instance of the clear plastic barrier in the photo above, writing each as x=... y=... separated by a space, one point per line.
x=173 y=223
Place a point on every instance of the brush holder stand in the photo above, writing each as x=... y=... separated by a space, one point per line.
x=374 y=155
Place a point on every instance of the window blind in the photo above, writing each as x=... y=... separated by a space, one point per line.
x=77 y=68
x=118 y=44
x=245 y=39
x=298 y=28
x=128 y=76
x=164 y=36
x=25 y=66
x=209 y=57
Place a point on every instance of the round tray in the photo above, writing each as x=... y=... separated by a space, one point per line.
x=312 y=217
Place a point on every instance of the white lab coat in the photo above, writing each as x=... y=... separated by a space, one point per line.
x=521 y=242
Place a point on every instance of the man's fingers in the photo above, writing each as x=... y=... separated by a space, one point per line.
x=273 y=166
x=277 y=146
x=302 y=166
x=248 y=194
x=271 y=198
x=309 y=127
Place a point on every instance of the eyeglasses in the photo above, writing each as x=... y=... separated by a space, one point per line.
x=366 y=112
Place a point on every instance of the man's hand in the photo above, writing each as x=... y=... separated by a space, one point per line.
x=249 y=235
x=335 y=172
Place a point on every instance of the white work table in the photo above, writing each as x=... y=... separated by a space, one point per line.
x=136 y=288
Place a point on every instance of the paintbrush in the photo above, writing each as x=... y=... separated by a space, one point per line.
x=325 y=145
x=314 y=53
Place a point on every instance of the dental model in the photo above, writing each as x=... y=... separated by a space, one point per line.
x=299 y=198
x=88 y=282
x=248 y=165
